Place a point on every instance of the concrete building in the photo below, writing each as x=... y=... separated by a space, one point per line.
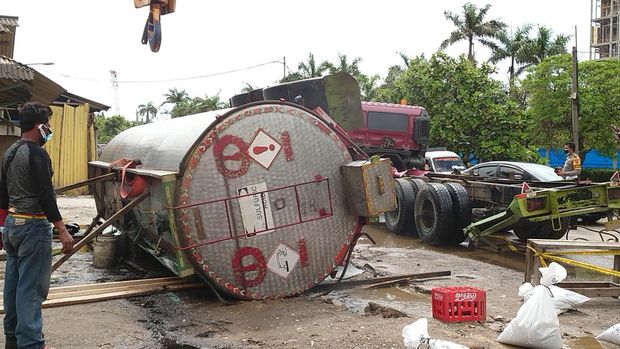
x=605 y=38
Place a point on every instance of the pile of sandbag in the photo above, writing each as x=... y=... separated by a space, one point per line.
x=536 y=324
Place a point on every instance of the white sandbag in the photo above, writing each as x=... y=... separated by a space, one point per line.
x=416 y=334
x=563 y=299
x=611 y=335
x=552 y=274
x=536 y=324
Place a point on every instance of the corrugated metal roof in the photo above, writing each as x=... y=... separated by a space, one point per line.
x=9 y=21
x=13 y=70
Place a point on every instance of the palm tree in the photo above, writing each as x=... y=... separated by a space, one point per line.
x=345 y=66
x=247 y=88
x=147 y=110
x=310 y=69
x=174 y=96
x=542 y=46
x=471 y=26
x=511 y=46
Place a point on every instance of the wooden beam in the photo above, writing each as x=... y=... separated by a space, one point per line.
x=372 y=281
x=83 y=183
x=88 y=238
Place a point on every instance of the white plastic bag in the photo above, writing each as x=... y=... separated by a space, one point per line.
x=563 y=300
x=536 y=324
x=611 y=335
x=416 y=334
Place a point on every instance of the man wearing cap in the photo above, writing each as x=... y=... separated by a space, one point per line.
x=27 y=206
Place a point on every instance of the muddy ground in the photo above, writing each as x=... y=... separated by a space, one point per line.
x=195 y=319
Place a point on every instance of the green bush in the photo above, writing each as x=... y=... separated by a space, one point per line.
x=597 y=174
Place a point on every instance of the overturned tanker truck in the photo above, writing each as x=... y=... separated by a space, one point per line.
x=260 y=201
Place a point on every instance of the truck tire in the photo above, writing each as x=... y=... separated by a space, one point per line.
x=400 y=220
x=525 y=229
x=417 y=184
x=461 y=207
x=434 y=214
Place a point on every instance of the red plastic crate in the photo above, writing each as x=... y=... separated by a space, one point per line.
x=457 y=304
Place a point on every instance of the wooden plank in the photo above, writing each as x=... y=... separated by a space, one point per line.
x=597 y=291
x=84 y=183
x=586 y=284
x=111 y=284
x=353 y=283
x=564 y=244
x=617 y=268
x=92 y=289
x=88 y=292
x=115 y=295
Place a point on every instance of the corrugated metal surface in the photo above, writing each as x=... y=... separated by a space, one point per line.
x=72 y=145
x=9 y=21
x=11 y=69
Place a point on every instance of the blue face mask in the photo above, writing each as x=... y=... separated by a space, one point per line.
x=46 y=134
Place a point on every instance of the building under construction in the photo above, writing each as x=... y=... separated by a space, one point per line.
x=605 y=38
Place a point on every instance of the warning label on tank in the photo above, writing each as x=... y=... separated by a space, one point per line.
x=264 y=149
x=283 y=260
x=255 y=209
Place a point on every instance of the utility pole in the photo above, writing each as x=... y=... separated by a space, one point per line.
x=575 y=98
x=284 y=68
x=114 y=81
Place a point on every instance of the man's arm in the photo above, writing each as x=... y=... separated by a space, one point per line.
x=4 y=197
x=42 y=179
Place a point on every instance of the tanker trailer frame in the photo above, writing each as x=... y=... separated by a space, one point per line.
x=446 y=209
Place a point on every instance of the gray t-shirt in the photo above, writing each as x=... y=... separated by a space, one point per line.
x=26 y=183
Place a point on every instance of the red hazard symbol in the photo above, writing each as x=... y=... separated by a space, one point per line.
x=261 y=149
x=239 y=156
x=256 y=269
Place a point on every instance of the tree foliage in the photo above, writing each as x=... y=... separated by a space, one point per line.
x=109 y=127
x=470 y=112
x=197 y=105
x=548 y=88
x=471 y=26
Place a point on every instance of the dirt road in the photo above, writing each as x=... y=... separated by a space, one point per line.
x=197 y=320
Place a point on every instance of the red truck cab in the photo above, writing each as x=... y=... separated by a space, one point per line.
x=399 y=132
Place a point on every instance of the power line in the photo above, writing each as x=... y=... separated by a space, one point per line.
x=171 y=80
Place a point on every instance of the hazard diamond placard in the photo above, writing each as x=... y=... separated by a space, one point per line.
x=264 y=149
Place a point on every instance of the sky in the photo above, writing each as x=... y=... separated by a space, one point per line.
x=86 y=39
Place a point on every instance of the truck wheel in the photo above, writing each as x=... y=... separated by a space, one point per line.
x=462 y=210
x=400 y=220
x=433 y=214
x=525 y=229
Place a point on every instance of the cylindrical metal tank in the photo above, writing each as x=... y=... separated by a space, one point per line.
x=251 y=196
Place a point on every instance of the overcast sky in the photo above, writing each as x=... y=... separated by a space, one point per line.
x=86 y=39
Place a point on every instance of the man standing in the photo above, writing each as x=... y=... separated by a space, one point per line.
x=572 y=165
x=27 y=205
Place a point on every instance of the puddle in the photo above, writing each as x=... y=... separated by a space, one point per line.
x=586 y=343
x=505 y=258
x=408 y=302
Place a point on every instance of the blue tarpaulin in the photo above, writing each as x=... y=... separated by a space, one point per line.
x=593 y=159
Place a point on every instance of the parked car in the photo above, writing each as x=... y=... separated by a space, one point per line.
x=443 y=161
x=527 y=172
x=513 y=170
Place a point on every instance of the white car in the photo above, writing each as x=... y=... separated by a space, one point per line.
x=443 y=161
